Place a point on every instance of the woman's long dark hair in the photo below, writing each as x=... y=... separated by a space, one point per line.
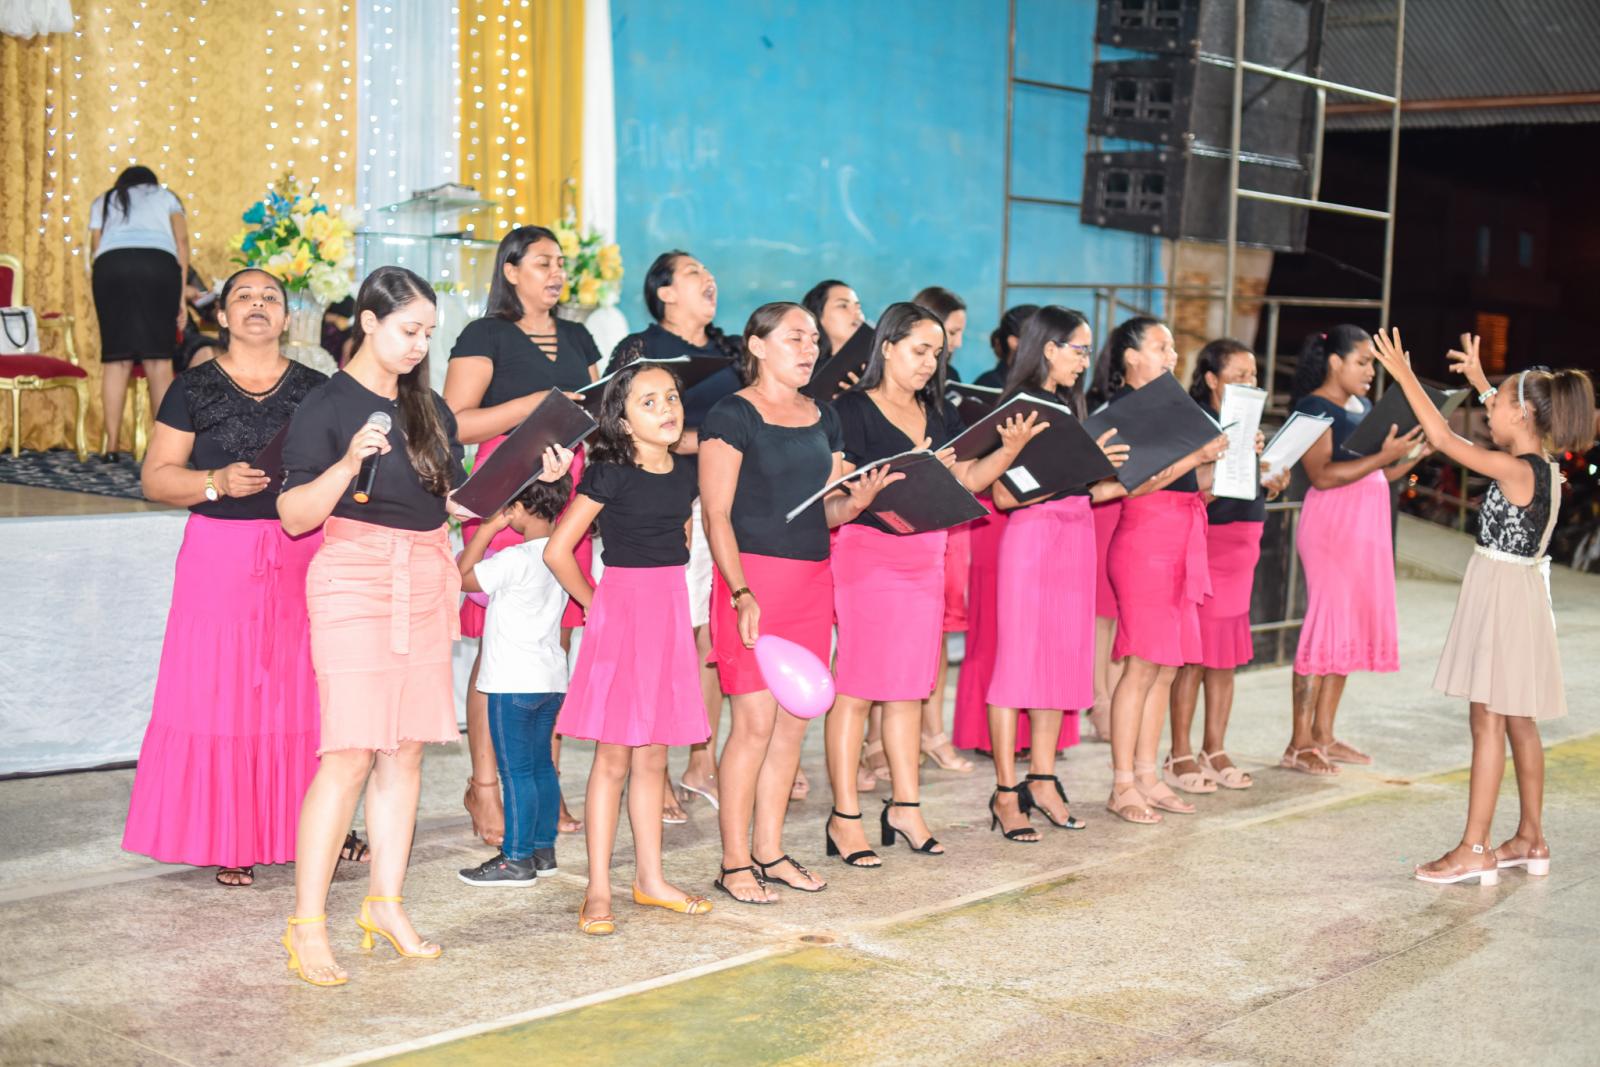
x=1311 y=369
x=1214 y=358
x=503 y=302
x=657 y=278
x=1111 y=369
x=894 y=326
x=941 y=301
x=131 y=178
x=233 y=280
x=762 y=322
x=814 y=301
x=1051 y=323
x=1010 y=326
x=385 y=291
x=610 y=442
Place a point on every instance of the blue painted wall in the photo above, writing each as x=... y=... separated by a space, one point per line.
x=785 y=142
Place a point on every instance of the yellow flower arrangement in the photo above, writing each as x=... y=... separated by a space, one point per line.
x=594 y=268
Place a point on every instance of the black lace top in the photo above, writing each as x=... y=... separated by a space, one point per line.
x=232 y=427
x=1520 y=531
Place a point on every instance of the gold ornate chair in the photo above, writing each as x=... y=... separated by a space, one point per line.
x=37 y=373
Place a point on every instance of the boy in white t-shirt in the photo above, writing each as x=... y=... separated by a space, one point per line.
x=524 y=673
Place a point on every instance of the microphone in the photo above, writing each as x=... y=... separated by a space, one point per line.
x=369 y=466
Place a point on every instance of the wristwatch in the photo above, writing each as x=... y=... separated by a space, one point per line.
x=213 y=494
x=737 y=593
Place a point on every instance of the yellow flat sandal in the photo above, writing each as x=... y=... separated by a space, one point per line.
x=686 y=906
x=599 y=926
x=294 y=957
x=368 y=928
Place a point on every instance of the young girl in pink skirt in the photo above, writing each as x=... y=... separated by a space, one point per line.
x=1233 y=546
x=635 y=688
x=1345 y=540
x=1501 y=652
x=889 y=589
x=1044 y=659
x=1156 y=564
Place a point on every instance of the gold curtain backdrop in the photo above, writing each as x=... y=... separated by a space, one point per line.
x=522 y=106
x=218 y=97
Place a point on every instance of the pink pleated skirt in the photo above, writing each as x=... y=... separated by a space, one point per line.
x=1346 y=546
x=232 y=741
x=1105 y=524
x=889 y=598
x=1159 y=573
x=796 y=601
x=637 y=679
x=472 y=613
x=970 y=724
x=1045 y=607
x=957 y=577
x=383 y=618
x=1232 y=551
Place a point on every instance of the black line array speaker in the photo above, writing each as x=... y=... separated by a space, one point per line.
x=1179 y=102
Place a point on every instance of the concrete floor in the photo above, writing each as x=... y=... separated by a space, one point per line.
x=1280 y=925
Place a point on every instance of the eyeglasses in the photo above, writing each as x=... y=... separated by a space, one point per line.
x=1082 y=350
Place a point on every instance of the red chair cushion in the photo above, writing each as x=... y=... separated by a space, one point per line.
x=8 y=282
x=39 y=366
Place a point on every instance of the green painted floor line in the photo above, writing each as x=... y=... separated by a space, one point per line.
x=808 y=1004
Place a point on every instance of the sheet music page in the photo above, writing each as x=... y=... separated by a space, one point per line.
x=1237 y=473
x=1293 y=441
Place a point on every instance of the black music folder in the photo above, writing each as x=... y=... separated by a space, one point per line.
x=691 y=371
x=972 y=402
x=1393 y=409
x=520 y=457
x=928 y=498
x=269 y=460
x=1160 y=422
x=1063 y=457
x=828 y=379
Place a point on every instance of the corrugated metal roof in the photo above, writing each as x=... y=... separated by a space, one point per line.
x=1467 y=48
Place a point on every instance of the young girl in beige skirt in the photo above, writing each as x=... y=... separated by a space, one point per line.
x=1501 y=652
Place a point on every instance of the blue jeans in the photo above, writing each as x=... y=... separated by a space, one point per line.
x=521 y=725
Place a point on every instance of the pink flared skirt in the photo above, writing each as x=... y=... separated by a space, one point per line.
x=1105 y=525
x=382 y=604
x=232 y=741
x=637 y=679
x=1158 y=569
x=472 y=613
x=1232 y=551
x=957 y=576
x=1346 y=546
x=1045 y=607
x=970 y=724
x=889 y=599
x=796 y=601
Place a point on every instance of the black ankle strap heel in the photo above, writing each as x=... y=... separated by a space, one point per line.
x=1021 y=834
x=1029 y=804
x=889 y=832
x=854 y=859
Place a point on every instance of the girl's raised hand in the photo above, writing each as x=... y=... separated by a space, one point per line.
x=1017 y=431
x=1117 y=454
x=864 y=490
x=1395 y=359
x=557 y=461
x=1465 y=362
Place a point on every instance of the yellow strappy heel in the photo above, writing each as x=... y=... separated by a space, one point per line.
x=294 y=957
x=368 y=928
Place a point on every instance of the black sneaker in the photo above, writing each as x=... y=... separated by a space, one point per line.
x=544 y=861
x=500 y=871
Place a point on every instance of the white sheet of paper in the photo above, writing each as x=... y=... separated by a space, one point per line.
x=1292 y=441
x=1022 y=479
x=1237 y=473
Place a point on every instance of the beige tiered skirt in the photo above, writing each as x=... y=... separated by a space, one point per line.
x=1501 y=651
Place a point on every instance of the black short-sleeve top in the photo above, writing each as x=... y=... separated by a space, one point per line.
x=869 y=436
x=1187 y=483
x=782 y=466
x=1225 y=509
x=232 y=427
x=320 y=433
x=522 y=363
x=1345 y=421
x=643 y=521
x=657 y=342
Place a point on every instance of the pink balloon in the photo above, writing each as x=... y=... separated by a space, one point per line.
x=480 y=599
x=795 y=675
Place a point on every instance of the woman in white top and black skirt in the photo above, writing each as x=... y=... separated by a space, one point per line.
x=140 y=245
